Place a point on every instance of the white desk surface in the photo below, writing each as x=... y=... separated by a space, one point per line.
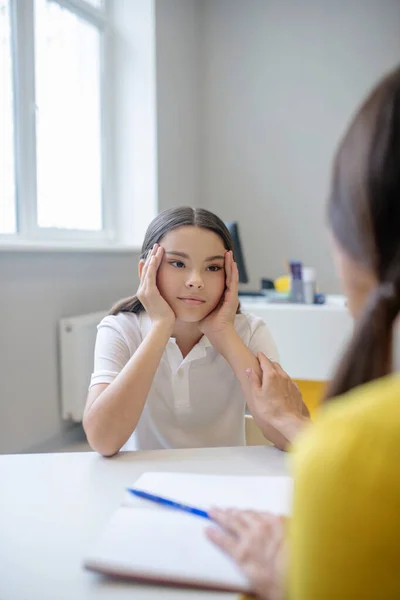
x=52 y=507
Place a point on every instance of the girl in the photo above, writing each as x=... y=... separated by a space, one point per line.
x=345 y=530
x=170 y=362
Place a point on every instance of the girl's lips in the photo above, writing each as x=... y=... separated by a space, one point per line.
x=192 y=301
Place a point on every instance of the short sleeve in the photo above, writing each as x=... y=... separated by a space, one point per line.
x=261 y=339
x=115 y=344
x=345 y=529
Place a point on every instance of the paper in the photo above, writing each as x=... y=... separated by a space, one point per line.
x=271 y=494
x=149 y=542
x=165 y=546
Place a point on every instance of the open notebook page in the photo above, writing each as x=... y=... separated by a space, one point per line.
x=272 y=494
x=166 y=547
x=150 y=543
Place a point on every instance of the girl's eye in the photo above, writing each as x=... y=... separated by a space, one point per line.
x=214 y=268
x=177 y=263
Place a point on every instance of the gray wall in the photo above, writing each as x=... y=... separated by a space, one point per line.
x=177 y=65
x=36 y=290
x=280 y=80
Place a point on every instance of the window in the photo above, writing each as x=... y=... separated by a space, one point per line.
x=54 y=113
x=7 y=153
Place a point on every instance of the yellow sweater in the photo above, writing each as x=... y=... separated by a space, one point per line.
x=345 y=530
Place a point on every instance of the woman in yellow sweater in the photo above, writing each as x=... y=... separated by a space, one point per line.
x=343 y=541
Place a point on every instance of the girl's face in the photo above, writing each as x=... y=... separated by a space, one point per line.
x=191 y=277
x=357 y=281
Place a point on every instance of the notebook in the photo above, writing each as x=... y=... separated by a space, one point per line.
x=150 y=543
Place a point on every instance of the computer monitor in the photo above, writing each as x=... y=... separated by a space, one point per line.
x=233 y=229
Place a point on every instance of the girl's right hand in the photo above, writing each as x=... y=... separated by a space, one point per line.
x=156 y=307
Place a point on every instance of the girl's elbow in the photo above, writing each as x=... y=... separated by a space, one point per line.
x=96 y=440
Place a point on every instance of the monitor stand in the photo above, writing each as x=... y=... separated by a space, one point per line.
x=251 y=294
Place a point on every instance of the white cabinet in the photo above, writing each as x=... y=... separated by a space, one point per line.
x=310 y=338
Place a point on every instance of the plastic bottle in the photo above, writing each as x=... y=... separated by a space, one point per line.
x=309 y=285
x=297 y=290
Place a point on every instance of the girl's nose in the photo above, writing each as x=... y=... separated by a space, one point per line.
x=195 y=282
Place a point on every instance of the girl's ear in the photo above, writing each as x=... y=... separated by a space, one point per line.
x=140 y=267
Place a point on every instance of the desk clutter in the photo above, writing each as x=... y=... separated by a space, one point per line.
x=147 y=541
x=299 y=286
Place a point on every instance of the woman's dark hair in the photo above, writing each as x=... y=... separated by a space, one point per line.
x=167 y=221
x=364 y=217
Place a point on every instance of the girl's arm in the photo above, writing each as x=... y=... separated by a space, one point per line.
x=113 y=410
x=279 y=422
x=272 y=398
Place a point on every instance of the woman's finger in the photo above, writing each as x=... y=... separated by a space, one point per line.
x=267 y=368
x=252 y=519
x=279 y=370
x=225 y=541
x=254 y=379
x=230 y=520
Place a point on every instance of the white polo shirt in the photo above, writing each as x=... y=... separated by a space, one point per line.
x=194 y=401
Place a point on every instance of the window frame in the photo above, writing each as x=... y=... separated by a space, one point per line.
x=23 y=59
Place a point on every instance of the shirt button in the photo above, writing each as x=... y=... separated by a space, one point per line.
x=180 y=373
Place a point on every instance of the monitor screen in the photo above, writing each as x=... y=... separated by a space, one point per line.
x=233 y=229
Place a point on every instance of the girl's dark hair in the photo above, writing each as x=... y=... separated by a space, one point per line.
x=167 y=221
x=364 y=216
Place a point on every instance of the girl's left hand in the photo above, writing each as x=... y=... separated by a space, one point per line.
x=222 y=318
x=255 y=541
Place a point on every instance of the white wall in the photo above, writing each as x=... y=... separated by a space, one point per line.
x=280 y=80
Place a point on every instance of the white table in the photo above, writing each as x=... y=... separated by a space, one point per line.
x=52 y=507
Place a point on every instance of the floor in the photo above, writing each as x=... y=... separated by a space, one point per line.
x=75 y=441
x=76 y=447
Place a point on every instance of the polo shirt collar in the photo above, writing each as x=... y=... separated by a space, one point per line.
x=198 y=351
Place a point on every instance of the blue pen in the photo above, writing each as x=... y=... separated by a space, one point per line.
x=170 y=503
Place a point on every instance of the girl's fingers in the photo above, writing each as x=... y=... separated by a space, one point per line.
x=159 y=255
x=152 y=271
x=235 y=276
x=152 y=253
x=155 y=261
x=228 y=268
x=158 y=258
x=233 y=286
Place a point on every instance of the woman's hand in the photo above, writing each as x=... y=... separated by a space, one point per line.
x=255 y=540
x=157 y=308
x=222 y=318
x=276 y=400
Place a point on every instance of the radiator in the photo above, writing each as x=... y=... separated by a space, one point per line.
x=77 y=337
